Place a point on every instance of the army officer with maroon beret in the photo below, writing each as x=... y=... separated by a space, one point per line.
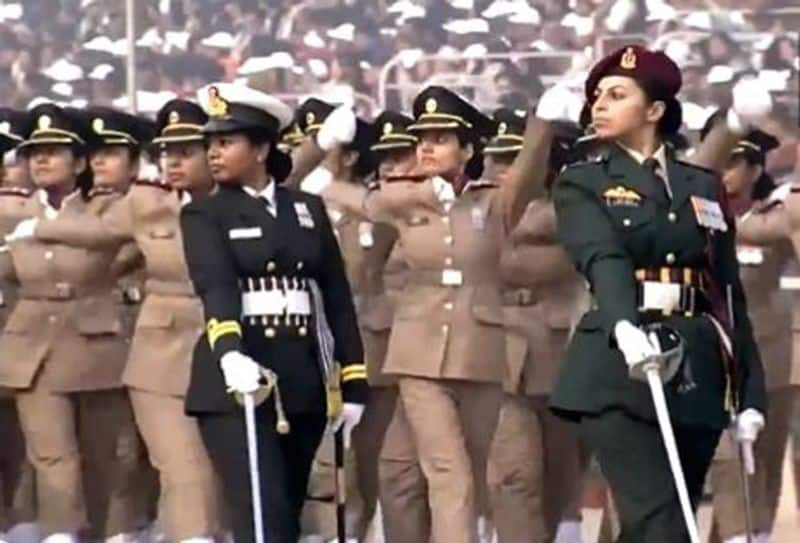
x=655 y=241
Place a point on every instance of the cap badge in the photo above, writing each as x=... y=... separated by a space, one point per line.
x=5 y=127
x=628 y=60
x=174 y=117
x=310 y=118
x=387 y=128
x=502 y=128
x=431 y=105
x=44 y=122
x=98 y=125
x=217 y=106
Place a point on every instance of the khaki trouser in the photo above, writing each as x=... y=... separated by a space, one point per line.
x=765 y=484
x=17 y=492
x=453 y=423
x=403 y=488
x=190 y=498
x=88 y=461
x=534 y=471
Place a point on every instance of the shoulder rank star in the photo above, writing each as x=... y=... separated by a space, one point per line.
x=622 y=196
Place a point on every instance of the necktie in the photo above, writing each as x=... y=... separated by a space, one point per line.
x=271 y=209
x=654 y=167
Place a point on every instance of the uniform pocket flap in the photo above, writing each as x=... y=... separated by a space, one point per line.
x=151 y=318
x=489 y=314
x=23 y=318
x=98 y=317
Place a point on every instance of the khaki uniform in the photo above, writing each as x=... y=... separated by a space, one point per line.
x=448 y=339
x=63 y=350
x=17 y=491
x=157 y=371
x=775 y=315
x=403 y=488
x=534 y=465
x=365 y=248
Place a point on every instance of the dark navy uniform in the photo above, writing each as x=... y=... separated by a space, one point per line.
x=249 y=254
x=633 y=232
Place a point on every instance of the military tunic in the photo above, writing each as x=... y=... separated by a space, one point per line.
x=64 y=353
x=764 y=234
x=615 y=217
x=159 y=361
x=17 y=494
x=365 y=248
x=231 y=237
x=448 y=336
x=534 y=467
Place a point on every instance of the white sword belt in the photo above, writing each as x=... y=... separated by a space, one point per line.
x=277 y=303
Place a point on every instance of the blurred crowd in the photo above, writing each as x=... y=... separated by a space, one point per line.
x=380 y=52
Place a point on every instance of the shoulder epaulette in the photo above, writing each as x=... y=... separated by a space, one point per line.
x=481 y=184
x=703 y=169
x=102 y=191
x=154 y=183
x=407 y=178
x=591 y=161
x=22 y=192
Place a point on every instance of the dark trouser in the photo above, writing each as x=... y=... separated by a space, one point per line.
x=633 y=459
x=284 y=465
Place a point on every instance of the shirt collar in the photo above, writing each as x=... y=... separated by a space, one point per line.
x=267 y=193
x=660 y=156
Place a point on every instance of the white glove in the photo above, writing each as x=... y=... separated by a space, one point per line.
x=752 y=103
x=749 y=424
x=559 y=103
x=348 y=419
x=316 y=181
x=242 y=374
x=634 y=343
x=25 y=229
x=339 y=128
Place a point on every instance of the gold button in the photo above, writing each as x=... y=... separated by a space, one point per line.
x=446 y=219
x=269 y=332
x=671 y=258
x=672 y=216
x=303 y=331
x=49 y=255
x=270 y=266
x=448 y=240
x=448 y=306
x=626 y=222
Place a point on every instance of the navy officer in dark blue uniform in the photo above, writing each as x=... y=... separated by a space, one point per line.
x=655 y=241
x=266 y=264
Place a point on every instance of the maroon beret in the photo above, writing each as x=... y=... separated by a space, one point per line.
x=657 y=74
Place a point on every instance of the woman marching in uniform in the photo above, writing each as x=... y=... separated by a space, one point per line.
x=654 y=240
x=266 y=265
x=766 y=240
x=535 y=465
x=62 y=346
x=171 y=319
x=17 y=494
x=448 y=340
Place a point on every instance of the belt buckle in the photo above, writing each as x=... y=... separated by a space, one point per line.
x=664 y=297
